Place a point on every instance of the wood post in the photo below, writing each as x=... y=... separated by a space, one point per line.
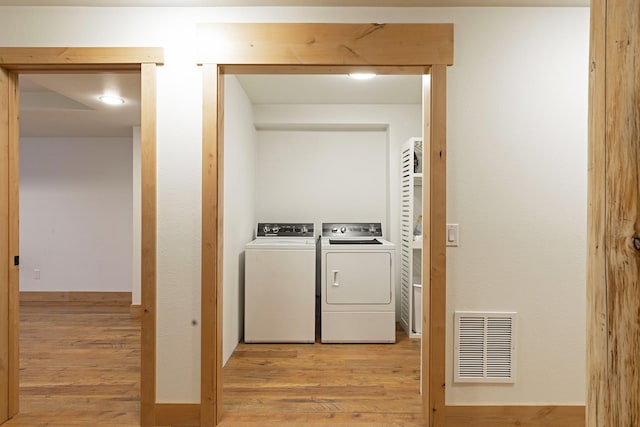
x=148 y=245
x=211 y=401
x=613 y=288
x=4 y=249
x=434 y=252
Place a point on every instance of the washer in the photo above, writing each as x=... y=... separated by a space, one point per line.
x=280 y=284
x=357 y=284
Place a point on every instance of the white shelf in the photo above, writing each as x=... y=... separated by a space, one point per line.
x=410 y=250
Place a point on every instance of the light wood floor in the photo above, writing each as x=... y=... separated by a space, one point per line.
x=80 y=367
x=320 y=384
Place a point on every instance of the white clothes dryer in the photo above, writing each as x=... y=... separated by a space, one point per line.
x=280 y=275
x=357 y=284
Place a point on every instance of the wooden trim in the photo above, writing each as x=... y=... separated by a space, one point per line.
x=597 y=338
x=14 y=244
x=434 y=253
x=219 y=248
x=177 y=414
x=9 y=360
x=508 y=416
x=325 y=48
x=326 y=44
x=88 y=59
x=426 y=349
x=220 y=252
x=94 y=298
x=211 y=364
x=4 y=247
x=436 y=277
x=75 y=58
x=148 y=243
x=314 y=69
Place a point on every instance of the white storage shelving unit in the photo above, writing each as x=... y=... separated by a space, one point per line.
x=411 y=248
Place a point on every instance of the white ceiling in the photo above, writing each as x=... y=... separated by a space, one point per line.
x=331 y=89
x=67 y=104
x=358 y=3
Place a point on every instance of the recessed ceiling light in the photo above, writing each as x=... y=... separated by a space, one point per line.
x=111 y=99
x=362 y=76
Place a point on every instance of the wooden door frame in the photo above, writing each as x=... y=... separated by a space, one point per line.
x=14 y=61
x=325 y=49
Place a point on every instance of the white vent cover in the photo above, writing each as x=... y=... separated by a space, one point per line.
x=484 y=347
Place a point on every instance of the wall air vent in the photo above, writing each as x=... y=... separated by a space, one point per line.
x=484 y=347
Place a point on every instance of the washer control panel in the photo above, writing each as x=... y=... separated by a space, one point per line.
x=351 y=229
x=285 y=229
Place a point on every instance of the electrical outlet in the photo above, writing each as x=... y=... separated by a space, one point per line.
x=36 y=273
x=453 y=234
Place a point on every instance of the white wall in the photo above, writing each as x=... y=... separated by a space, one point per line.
x=517 y=172
x=322 y=176
x=239 y=206
x=517 y=139
x=400 y=121
x=75 y=214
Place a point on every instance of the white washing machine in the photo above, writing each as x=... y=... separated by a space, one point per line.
x=357 y=284
x=280 y=276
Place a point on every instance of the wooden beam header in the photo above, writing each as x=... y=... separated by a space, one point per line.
x=79 y=58
x=391 y=45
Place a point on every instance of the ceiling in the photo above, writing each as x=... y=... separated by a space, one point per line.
x=57 y=105
x=332 y=89
x=328 y=3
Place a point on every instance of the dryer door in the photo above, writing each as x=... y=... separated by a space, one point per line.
x=358 y=278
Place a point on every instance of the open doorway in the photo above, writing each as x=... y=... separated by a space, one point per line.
x=16 y=61
x=79 y=337
x=326 y=49
x=316 y=148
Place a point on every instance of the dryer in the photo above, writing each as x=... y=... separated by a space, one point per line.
x=356 y=284
x=280 y=284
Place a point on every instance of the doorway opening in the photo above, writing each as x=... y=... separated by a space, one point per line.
x=77 y=236
x=17 y=61
x=311 y=148
x=316 y=49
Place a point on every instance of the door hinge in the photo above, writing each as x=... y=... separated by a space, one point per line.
x=16 y=260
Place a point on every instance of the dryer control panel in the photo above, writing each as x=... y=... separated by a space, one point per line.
x=351 y=229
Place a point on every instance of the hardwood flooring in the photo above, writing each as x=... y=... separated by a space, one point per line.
x=80 y=367
x=316 y=384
